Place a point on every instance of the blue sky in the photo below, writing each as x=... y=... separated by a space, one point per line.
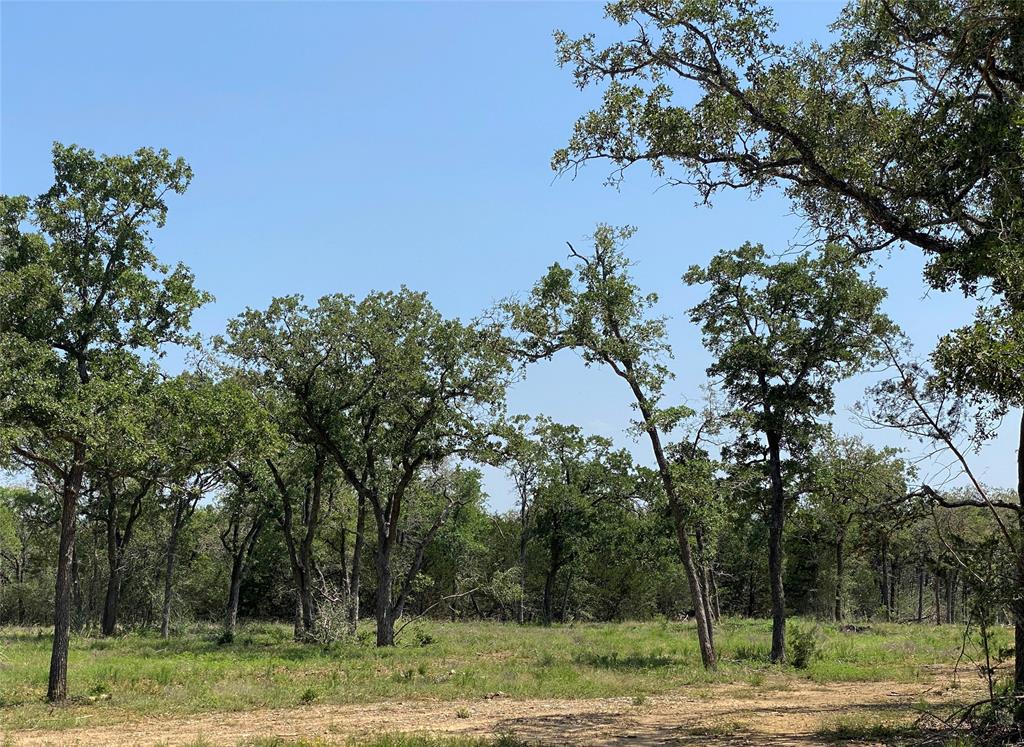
x=344 y=147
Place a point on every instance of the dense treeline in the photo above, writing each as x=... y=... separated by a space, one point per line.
x=319 y=461
x=585 y=559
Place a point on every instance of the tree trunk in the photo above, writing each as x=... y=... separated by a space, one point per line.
x=113 y=569
x=883 y=583
x=705 y=575
x=240 y=555
x=548 y=610
x=840 y=575
x=57 y=687
x=936 y=583
x=111 y=600
x=385 y=612
x=172 y=554
x=521 y=607
x=895 y=571
x=563 y=613
x=234 y=591
x=76 y=589
x=951 y=597
x=679 y=520
x=357 y=562
x=777 y=516
x=713 y=591
x=920 y=593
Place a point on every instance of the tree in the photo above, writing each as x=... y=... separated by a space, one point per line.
x=576 y=474
x=81 y=296
x=521 y=460
x=301 y=477
x=783 y=334
x=246 y=510
x=202 y=425
x=905 y=129
x=387 y=388
x=854 y=485
x=600 y=312
x=984 y=362
x=956 y=408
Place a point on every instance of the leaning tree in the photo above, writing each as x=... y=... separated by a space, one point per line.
x=597 y=310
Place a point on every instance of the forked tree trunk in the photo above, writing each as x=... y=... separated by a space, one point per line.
x=776 y=519
x=705 y=575
x=240 y=549
x=57 y=687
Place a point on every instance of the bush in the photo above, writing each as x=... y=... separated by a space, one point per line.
x=803 y=645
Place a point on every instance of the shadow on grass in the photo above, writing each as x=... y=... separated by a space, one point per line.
x=617 y=662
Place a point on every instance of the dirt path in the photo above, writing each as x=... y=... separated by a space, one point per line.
x=721 y=714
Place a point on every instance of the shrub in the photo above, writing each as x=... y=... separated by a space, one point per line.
x=803 y=645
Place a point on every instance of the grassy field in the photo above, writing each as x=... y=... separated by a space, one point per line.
x=139 y=674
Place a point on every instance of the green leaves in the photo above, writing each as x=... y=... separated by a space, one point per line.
x=907 y=128
x=386 y=383
x=597 y=310
x=783 y=333
x=82 y=295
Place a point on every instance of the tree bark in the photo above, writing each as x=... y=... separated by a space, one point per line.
x=357 y=562
x=951 y=597
x=385 y=612
x=920 y=593
x=884 y=583
x=57 y=687
x=521 y=607
x=111 y=599
x=234 y=592
x=777 y=514
x=241 y=552
x=936 y=584
x=705 y=574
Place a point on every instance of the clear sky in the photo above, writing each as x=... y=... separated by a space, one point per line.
x=344 y=147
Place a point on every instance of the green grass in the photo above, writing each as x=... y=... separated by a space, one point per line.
x=140 y=674
x=869 y=727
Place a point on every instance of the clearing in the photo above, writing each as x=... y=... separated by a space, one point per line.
x=624 y=683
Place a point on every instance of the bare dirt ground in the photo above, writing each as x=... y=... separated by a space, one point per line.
x=718 y=715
